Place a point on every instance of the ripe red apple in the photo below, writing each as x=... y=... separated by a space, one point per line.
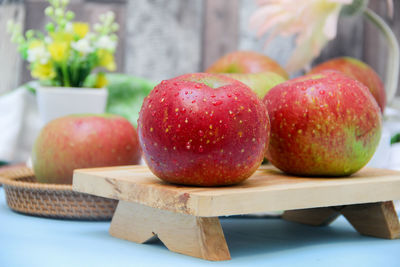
x=324 y=124
x=203 y=129
x=83 y=141
x=360 y=71
x=260 y=82
x=246 y=62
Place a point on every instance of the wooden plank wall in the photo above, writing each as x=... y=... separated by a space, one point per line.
x=375 y=48
x=220 y=32
x=165 y=38
x=11 y=63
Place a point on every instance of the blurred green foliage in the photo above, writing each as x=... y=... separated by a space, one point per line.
x=126 y=94
x=395 y=139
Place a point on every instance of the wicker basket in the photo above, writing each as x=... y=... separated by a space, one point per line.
x=25 y=195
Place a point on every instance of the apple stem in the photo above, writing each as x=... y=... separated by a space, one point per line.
x=393 y=57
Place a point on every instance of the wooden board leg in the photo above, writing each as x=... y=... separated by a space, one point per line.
x=374 y=219
x=200 y=237
x=315 y=217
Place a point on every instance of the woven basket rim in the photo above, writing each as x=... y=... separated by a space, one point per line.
x=25 y=195
x=12 y=177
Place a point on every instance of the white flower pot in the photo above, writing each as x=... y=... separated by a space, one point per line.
x=55 y=102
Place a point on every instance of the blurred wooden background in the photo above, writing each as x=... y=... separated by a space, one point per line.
x=164 y=38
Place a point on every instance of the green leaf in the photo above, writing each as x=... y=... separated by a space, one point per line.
x=395 y=139
x=126 y=95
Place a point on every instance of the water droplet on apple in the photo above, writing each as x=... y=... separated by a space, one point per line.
x=217 y=103
x=321 y=92
x=201 y=149
x=201 y=133
x=187 y=145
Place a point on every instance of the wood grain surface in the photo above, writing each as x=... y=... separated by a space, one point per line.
x=267 y=190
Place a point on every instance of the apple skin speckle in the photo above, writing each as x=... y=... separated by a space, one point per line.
x=359 y=71
x=324 y=125
x=203 y=145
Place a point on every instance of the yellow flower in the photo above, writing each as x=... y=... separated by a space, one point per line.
x=43 y=71
x=58 y=51
x=106 y=59
x=101 y=80
x=62 y=36
x=80 y=29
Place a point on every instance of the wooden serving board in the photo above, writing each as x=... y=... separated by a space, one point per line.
x=185 y=218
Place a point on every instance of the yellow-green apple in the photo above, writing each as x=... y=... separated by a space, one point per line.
x=260 y=82
x=203 y=129
x=323 y=124
x=83 y=141
x=246 y=62
x=360 y=71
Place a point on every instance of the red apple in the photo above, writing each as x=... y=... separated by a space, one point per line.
x=83 y=141
x=203 y=129
x=324 y=124
x=246 y=62
x=260 y=82
x=360 y=71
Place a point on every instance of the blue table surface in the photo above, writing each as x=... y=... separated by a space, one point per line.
x=34 y=241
